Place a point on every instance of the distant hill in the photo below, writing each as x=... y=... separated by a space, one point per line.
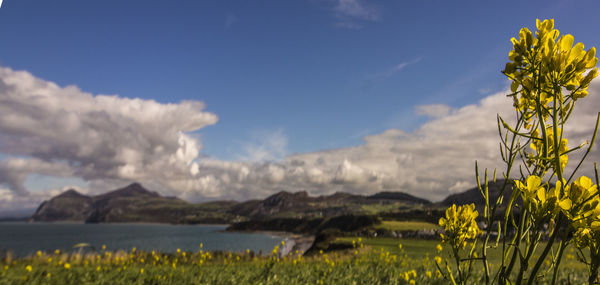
x=301 y=205
x=474 y=196
x=68 y=206
x=134 y=203
x=399 y=196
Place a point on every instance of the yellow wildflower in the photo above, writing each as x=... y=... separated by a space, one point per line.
x=459 y=225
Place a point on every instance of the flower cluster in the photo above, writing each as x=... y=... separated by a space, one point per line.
x=538 y=146
x=549 y=75
x=577 y=201
x=460 y=225
x=540 y=66
x=540 y=201
x=582 y=199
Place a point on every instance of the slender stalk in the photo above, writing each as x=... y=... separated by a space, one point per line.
x=561 y=249
x=556 y=138
x=540 y=260
x=457 y=260
x=525 y=261
x=491 y=215
x=594 y=276
x=516 y=245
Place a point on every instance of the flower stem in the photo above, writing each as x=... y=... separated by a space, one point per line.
x=540 y=260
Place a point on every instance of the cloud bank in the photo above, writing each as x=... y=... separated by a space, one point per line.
x=62 y=131
x=109 y=141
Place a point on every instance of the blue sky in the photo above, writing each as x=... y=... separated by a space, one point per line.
x=280 y=65
x=305 y=76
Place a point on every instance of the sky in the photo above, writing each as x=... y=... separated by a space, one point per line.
x=236 y=100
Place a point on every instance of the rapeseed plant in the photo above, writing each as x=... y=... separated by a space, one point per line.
x=549 y=75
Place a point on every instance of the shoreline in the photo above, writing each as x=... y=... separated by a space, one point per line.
x=293 y=241
x=115 y=223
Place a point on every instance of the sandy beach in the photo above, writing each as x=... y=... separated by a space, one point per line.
x=293 y=242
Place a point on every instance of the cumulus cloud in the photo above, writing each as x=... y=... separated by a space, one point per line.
x=435 y=160
x=109 y=141
x=63 y=131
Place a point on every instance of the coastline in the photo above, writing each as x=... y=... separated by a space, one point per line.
x=72 y=233
x=117 y=223
x=293 y=242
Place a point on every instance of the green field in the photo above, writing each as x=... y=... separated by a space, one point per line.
x=372 y=261
x=406 y=226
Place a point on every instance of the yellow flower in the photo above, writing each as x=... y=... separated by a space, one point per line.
x=538 y=146
x=439 y=248
x=542 y=203
x=67 y=266
x=406 y=276
x=28 y=268
x=561 y=64
x=459 y=225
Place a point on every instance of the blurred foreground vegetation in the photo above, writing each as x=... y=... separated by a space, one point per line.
x=369 y=261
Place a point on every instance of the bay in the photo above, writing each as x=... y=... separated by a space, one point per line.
x=24 y=239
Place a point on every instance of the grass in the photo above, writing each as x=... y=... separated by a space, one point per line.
x=372 y=261
x=406 y=226
x=413 y=248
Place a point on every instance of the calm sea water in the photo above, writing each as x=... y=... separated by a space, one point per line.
x=25 y=238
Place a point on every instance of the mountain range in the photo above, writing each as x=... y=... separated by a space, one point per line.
x=134 y=204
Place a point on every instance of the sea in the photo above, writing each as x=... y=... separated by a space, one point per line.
x=23 y=239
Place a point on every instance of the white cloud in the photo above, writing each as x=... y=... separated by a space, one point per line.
x=265 y=146
x=109 y=141
x=396 y=68
x=402 y=65
x=63 y=131
x=350 y=13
